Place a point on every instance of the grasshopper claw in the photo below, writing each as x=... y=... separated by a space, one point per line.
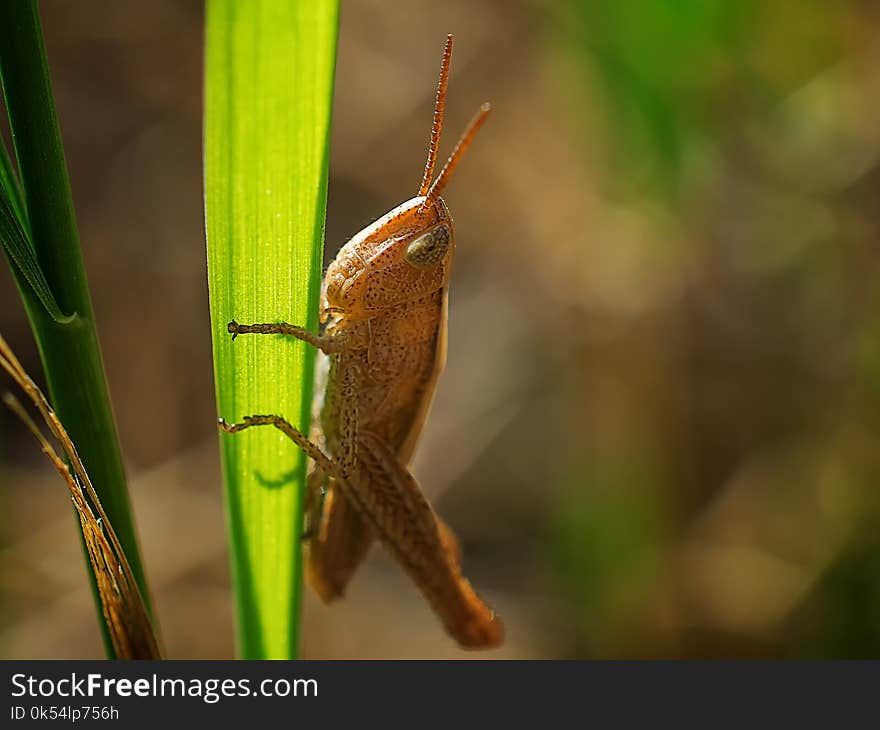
x=232 y=328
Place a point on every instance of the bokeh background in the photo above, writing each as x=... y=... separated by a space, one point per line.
x=657 y=433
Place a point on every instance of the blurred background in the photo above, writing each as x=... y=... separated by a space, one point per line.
x=657 y=431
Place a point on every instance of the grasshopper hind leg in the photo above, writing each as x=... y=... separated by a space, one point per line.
x=341 y=540
x=411 y=531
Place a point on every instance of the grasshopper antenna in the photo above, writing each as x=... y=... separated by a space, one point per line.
x=437 y=126
x=456 y=155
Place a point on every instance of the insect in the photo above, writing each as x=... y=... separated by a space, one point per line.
x=383 y=315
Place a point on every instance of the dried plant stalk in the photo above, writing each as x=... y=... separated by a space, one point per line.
x=125 y=613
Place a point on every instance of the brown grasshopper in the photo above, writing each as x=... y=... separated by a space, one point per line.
x=383 y=315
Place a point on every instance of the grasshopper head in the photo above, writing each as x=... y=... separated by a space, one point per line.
x=406 y=254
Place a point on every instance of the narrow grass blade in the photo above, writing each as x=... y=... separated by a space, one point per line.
x=23 y=260
x=125 y=612
x=268 y=97
x=10 y=186
x=69 y=349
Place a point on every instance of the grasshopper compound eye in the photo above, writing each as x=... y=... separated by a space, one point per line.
x=428 y=250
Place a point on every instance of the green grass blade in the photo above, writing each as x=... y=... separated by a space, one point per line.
x=69 y=350
x=23 y=260
x=10 y=186
x=16 y=243
x=268 y=98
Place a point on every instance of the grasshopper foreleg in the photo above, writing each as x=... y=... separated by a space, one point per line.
x=311 y=450
x=326 y=344
x=333 y=556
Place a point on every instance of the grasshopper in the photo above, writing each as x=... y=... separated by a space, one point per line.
x=384 y=305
